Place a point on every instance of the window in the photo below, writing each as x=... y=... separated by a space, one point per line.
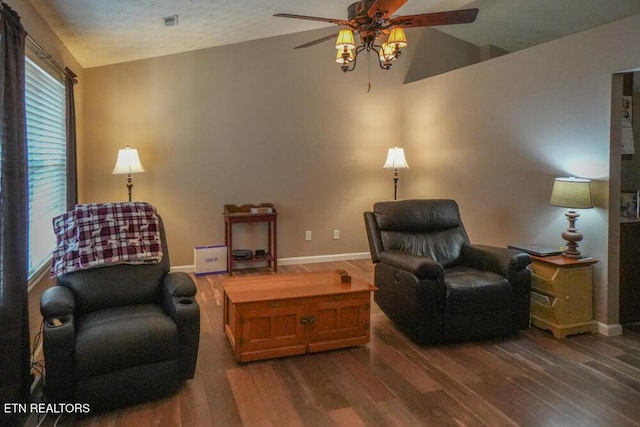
x=46 y=147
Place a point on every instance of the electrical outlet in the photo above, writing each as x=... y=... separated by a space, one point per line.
x=307 y=235
x=336 y=234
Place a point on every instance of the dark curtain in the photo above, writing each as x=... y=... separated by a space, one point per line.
x=72 y=167
x=14 y=314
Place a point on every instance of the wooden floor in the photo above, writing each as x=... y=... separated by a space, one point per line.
x=530 y=379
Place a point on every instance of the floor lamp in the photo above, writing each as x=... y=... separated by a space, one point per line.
x=395 y=160
x=573 y=193
x=128 y=162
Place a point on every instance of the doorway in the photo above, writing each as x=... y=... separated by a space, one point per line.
x=629 y=213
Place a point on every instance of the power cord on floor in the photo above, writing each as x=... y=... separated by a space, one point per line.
x=37 y=365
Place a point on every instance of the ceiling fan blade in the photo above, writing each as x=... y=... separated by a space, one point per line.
x=323 y=39
x=464 y=16
x=386 y=7
x=313 y=18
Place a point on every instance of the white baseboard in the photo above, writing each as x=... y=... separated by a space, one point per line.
x=183 y=268
x=323 y=258
x=609 y=330
x=297 y=260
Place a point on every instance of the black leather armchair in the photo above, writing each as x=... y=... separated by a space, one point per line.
x=437 y=287
x=120 y=334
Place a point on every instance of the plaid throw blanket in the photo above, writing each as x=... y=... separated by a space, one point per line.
x=99 y=234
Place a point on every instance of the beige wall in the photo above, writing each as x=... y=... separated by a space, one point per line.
x=249 y=123
x=495 y=135
x=259 y=122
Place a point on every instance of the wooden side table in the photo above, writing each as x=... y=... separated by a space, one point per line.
x=562 y=295
x=263 y=212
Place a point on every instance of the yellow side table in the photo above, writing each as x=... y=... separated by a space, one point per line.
x=562 y=295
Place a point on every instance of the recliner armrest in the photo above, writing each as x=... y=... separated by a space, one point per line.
x=422 y=267
x=502 y=261
x=57 y=306
x=57 y=302
x=178 y=295
x=179 y=284
x=178 y=300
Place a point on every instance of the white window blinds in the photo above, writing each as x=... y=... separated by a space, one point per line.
x=46 y=146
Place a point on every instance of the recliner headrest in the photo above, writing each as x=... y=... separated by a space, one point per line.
x=417 y=215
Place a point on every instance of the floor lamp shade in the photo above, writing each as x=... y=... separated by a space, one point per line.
x=572 y=193
x=395 y=160
x=128 y=162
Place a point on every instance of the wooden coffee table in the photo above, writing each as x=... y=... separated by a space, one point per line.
x=288 y=314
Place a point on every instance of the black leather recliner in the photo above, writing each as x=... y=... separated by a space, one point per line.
x=120 y=334
x=437 y=287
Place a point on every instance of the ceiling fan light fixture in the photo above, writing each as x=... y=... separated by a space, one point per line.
x=373 y=18
x=345 y=56
x=345 y=40
x=397 y=38
x=387 y=52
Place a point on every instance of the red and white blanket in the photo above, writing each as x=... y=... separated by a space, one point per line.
x=100 y=234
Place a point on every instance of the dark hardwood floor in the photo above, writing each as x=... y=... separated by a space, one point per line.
x=530 y=379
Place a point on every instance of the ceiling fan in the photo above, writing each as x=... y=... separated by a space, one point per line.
x=371 y=19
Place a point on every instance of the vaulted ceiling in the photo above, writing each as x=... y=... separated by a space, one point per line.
x=106 y=32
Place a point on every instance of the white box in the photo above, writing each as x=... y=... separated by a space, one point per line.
x=209 y=260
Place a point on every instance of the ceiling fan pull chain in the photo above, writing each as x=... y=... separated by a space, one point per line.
x=369 y=69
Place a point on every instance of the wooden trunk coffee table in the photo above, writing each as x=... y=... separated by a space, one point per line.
x=287 y=314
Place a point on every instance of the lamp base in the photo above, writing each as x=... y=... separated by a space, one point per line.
x=572 y=236
x=129 y=185
x=572 y=255
x=395 y=185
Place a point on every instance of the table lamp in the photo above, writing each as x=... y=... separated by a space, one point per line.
x=128 y=162
x=573 y=193
x=395 y=160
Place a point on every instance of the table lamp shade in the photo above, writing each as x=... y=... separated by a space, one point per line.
x=572 y=193
x=128 y=162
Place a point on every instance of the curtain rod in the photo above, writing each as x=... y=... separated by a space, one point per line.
x=43 y=54
x=39 y=50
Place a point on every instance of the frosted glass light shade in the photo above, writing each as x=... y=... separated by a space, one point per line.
x=395 y=159
x=128 y=162
x=574 y=193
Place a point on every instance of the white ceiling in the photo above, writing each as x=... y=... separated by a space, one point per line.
x=99 y=32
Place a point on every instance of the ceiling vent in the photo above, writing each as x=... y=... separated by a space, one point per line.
x=170 y=21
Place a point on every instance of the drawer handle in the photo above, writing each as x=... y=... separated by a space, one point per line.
x=274 y=304
x=338 y=297
x=307 y=320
